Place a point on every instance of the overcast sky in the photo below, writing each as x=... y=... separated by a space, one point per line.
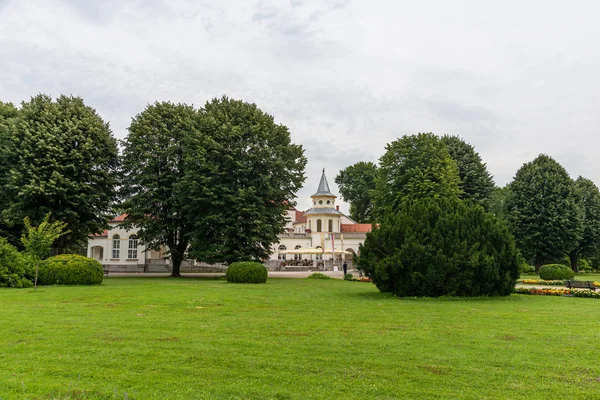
x=514 y=78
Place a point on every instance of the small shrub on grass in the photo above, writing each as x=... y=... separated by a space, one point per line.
x=70 y=269
x=526 y=268
x=318 y=275
x=552 y=272
x=16 y=269
x=246 y=272
x=349 y=277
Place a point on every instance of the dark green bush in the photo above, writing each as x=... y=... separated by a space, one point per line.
x=348 y=277
x=551 y=272
x=318 y=275
x=16 y=269
x=441 y=246
x=70 y=269
x=246 y=272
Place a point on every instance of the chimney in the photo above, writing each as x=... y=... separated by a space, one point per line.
x=337 y=208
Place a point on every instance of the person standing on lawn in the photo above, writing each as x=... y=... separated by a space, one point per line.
x=345 y=266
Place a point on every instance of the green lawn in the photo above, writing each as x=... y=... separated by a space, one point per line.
x=160 y=338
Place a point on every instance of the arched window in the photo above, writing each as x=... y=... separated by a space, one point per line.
x=297 y=256
x=330 y=226
x=319 y=228
x=309 y=223
x=116 y=246
x=132 y=250
x=281 y=256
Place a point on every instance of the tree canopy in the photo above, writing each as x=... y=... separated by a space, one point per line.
x=589 y=201
x=212 y=184
x=154 y=167
x=476 y=182
x=543 y=210
x=413 y=167
x=62 y=159
x=356 y=184
x=244 y=172
x=8 y=113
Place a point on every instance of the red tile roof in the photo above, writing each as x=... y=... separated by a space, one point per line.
x=120 y=218
x=360 y=228
x=105 y=233
x=300 y=218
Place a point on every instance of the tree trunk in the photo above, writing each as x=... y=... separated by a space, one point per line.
x=538 y=264
x=573 y=257
x=177 y=253
x=176 y=263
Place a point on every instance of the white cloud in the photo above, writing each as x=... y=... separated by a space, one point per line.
x=514 y=78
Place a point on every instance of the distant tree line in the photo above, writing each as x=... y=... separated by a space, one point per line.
x=211 y=183
x=552 y=217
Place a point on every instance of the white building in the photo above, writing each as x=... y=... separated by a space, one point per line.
x=321 y=237
x=323 y=227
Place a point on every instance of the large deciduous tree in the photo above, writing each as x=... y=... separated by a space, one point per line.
x=8 y=114
x=154 y=167
x=589 y=244
x=476 y=182
x=356 y=184
x=413 y=167
x=544 y=211
x=244 y=172
x=64 y=160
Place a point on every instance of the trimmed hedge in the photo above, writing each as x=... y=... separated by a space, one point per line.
x=551 y=272
x=16 y=269
x=70 y=269
x=318 y=275
x=246 y=272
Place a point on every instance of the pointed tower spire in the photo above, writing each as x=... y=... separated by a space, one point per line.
x=323 y=189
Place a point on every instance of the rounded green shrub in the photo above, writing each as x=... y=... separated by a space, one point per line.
x=552 y=272
x=435 y=247
x=70 y=269
x=246 y=272
x=16 y=269
x=318 y=275
x=527 y=268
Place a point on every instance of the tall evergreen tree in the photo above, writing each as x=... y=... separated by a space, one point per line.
x=413 y=167
x=154 y=168
x=356 y=184
x=543 y=210
x=589 y=244
x=476 y=182
x=63 y=160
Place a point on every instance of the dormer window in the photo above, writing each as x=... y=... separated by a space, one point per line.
x=328 y=201
x=320 y=201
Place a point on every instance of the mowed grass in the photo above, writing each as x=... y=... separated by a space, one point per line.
x=161 y=338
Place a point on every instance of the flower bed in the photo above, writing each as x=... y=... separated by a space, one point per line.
x=543 y=292
x=547 y=283
x=541 y=282
x=558 y=292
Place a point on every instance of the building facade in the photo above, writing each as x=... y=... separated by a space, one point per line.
x=322 y=227
x=319 y=238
